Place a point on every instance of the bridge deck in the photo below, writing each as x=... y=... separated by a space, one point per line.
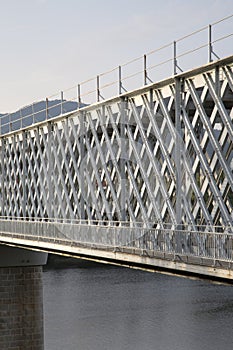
x=203 y=253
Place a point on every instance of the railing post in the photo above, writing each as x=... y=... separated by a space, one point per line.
x=10 y=122
x=174 y=244
x=21 y=119
x=174 y=58
x=210 y=43
x=230 y=247
x=214 y=249
x=145 y=71
x=79 y=95
x=33 y=115
x=98 y=88
x=62 y=96
x=119 y=80
x=46 y=108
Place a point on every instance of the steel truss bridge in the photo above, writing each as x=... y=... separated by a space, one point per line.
x=145 y=177
x=160 y=154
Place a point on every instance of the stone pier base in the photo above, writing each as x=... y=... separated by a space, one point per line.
x=21 y=308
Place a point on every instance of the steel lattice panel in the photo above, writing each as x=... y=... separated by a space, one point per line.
x=163 y=154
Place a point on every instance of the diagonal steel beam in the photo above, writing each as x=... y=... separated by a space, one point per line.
x=219 y=104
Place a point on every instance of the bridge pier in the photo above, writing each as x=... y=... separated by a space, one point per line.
x=21 y=299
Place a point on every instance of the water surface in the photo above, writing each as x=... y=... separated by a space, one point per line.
x=110 y=308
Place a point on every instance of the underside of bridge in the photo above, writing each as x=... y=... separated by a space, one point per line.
x=160 y=154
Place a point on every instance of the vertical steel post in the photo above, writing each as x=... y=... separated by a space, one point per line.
x=217 y=80
x=82 y=155
x=47 y=108
x=24 y=174
x=50 y=212
x=62 y=97
x=214 y=249
x=151 y=101
x=98 y=88
x=79 y=95
x=210 y=43
x=145 y=71
x=10 y=122
x=21 y=119
x=178 y=146
x=119 y=80
x=174 y=58
x=33 y=114
x=123 y=159
x=3 y=176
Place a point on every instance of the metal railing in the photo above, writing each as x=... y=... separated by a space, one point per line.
x=132 y=224
x=201 y=46
x=205 y=245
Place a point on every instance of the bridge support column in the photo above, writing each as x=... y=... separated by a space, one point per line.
x=21 y=299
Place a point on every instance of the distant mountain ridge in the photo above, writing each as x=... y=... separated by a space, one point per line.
x=35 y=113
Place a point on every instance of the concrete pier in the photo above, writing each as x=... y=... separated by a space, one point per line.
x=21 y=299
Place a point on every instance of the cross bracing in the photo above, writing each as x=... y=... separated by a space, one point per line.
x=161 y=154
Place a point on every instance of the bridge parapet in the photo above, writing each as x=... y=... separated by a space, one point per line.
x=202 y=244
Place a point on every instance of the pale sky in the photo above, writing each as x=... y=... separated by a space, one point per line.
x=50 y=45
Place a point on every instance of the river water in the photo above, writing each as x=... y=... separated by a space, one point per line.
x=98 y=307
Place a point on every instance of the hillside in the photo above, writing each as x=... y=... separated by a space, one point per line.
x=36 y=113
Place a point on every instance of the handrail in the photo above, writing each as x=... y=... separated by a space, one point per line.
x=132 y=224
x=84 y=93
x=137 y=240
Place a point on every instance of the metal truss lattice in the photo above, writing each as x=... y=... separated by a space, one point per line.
x=162 y=154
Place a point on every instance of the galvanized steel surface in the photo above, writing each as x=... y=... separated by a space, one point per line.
x=162 y=154
x=120 y=237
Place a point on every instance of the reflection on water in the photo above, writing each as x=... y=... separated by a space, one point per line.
x=109 y=308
